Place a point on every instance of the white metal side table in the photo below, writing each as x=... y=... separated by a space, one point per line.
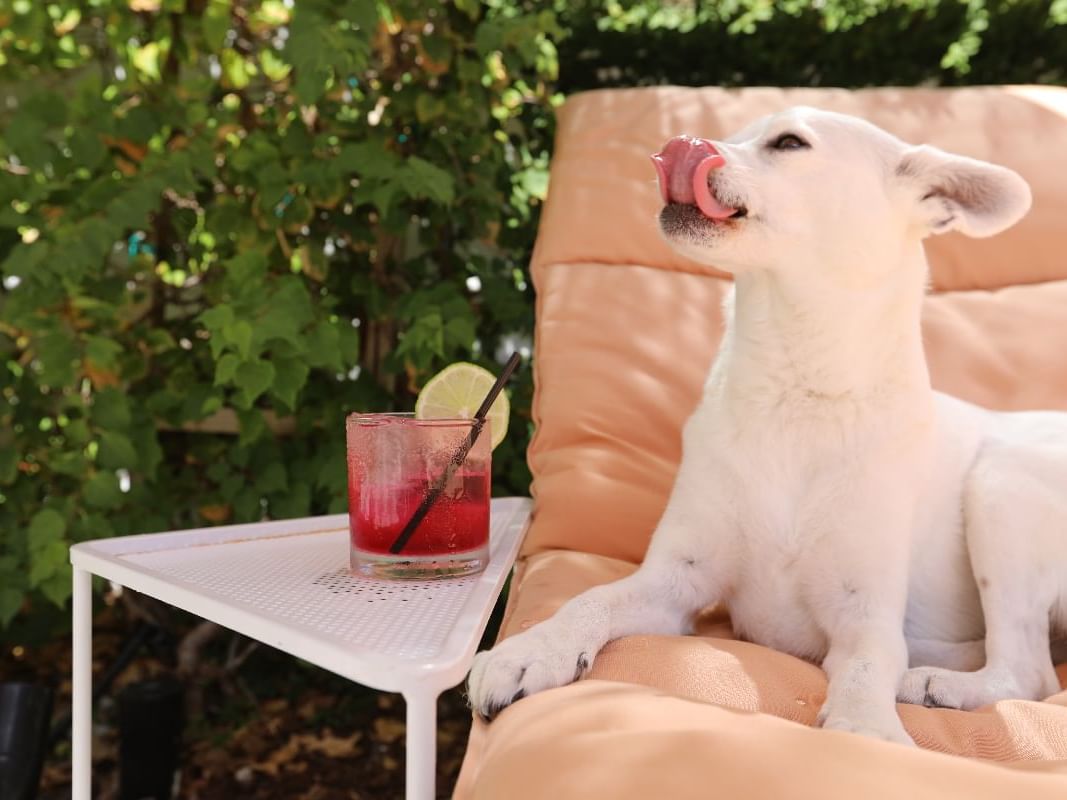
x=287 y=584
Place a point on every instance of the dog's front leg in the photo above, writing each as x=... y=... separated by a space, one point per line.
x=560 y=649
x=682 y=573
x=859 y=601
x=864 y=666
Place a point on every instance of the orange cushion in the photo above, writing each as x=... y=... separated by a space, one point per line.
x=649 y=721
x=596 y=739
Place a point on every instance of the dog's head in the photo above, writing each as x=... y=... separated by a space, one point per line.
x=809 y=185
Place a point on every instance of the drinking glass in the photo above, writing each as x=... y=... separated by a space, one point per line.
x=417 y=506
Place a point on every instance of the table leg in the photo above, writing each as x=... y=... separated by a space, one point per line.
x=421 y=754
x=82 y=687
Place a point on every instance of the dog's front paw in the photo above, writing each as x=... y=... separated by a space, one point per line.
x=529 y=662
x=881 y=726
x=890 y=732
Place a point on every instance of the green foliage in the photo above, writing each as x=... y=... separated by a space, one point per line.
x=261 y=215
x=258 y=215
x=849 y=43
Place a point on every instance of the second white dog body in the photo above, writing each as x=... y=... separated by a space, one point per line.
x=841 y=509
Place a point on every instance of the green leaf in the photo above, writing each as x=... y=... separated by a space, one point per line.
x=111 y=409
x=324 y=346
x=102 y=351
x=308 y=55
x=370 y=159
x=93 y=526
x=26 y=136
x=245 y=269
x=271 y=478
x=140 y=123
x=160 y=340
x=273 y=67
x=235 y=71
x=215 y=23
x=71 y=462
x=46 y=528
x=59 y=586
x=47 y=561
x=289 y=311
x=102 y=491
x=253 y=426
x=294 y=503
x=77 y=432
x=423 y=340
x=469 y=7
x=116 y=451
x=428 y=107
x=253 y=378
x=382 y=196
x=239 y=334
x=217 y=318
x=290 y=376
x=363 y=14
x=10 y=603
x=424 y=179
x=231 y=485
x=56 y=354
x=349 y=344
x=24 y=260
x=246 y=505
x=333 y=474
x=86 y=148
x=226 y=368
x=149 y=453
x=146 y=60
x=460 y=332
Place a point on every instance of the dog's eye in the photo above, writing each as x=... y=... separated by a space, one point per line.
x=789 y=141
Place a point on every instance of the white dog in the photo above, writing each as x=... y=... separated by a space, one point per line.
x=840 y=508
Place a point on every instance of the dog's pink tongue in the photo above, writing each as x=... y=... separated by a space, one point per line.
x=683 y=166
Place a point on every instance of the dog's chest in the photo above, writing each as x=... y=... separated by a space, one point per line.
x=787 y=481
x=769 y=598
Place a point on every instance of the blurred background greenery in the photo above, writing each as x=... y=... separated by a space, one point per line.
x=224 y=225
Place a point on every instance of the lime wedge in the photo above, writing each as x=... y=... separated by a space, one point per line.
x=457 y=391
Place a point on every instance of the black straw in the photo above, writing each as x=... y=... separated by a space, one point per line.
x=457 y=458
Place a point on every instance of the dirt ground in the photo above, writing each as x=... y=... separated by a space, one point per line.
x=275 y=727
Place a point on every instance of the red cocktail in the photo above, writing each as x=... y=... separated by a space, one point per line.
x=395 y=462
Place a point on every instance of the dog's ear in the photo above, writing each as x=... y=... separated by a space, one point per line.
x=958 y=193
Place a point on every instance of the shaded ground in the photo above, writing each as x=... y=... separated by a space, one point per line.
x=276 y=727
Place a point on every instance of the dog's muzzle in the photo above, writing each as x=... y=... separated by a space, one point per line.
x=683 y=166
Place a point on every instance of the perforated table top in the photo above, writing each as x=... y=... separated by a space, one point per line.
x=287 y=584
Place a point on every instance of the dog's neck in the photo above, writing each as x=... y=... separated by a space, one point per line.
x=793 y=336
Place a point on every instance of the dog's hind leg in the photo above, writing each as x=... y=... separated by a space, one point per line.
x=1013 y=515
